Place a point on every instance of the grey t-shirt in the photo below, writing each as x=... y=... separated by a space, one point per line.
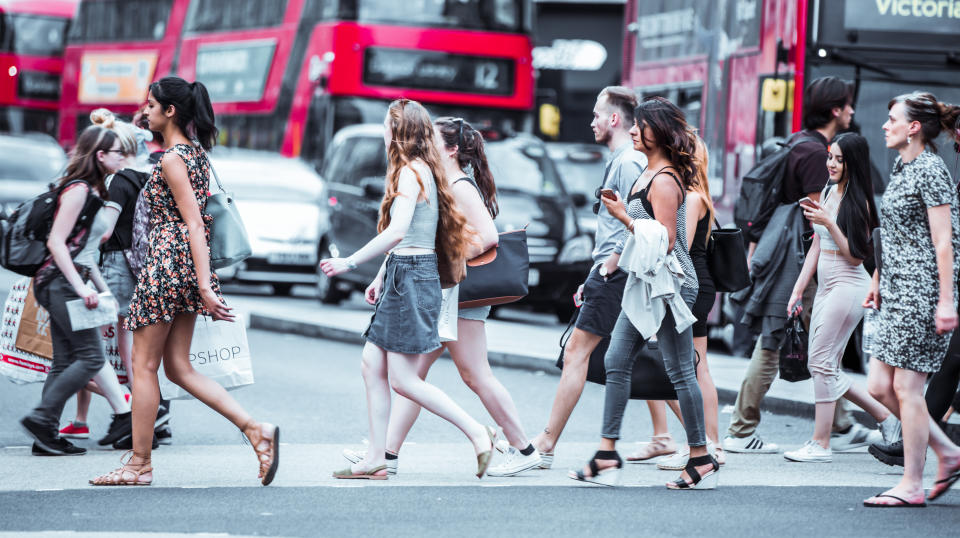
x=625 y=166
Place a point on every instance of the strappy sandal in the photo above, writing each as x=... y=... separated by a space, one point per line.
x=372 y=474
x=125 y=476
x=604 y=477
x=659 y=445
x=267 y=450
x=707 y=481
x=484 y=458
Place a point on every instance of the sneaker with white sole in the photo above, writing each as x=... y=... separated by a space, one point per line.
x=810 y=452
x=857 y=436
x=546 y=459
x=353 y=456
x=752 y=444
x=678 y=460
x=889 y=429
x=515 y=463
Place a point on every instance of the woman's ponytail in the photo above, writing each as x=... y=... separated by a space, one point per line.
x=194 y=111
x=950 y=119
x=203 y=121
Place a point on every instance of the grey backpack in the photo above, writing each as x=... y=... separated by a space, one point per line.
x=136 y=255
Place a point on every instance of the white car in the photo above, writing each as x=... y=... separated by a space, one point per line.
x=28 y=164
x=279 y=201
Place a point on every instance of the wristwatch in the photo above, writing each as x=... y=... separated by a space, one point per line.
x=602 y=271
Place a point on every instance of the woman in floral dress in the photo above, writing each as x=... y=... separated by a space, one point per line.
x=915 y=289
x=176 y=283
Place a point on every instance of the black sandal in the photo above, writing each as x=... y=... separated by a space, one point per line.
x=609 y=476
x=707 y=481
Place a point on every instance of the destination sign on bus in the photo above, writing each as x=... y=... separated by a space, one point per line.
x=435 y=70
x=926 y=16
x=107 y=77
x=670 y=29
x=235 y=72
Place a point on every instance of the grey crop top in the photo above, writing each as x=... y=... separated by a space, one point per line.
x=423 y=227
x=826 y=239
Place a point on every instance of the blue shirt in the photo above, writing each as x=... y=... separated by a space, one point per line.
x=625 y=166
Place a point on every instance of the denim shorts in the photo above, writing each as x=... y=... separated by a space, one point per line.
x=480 y=313
x=405 y=320
x=118 y=277
x=601 y=302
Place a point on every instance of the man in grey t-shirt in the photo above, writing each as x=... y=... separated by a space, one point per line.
x=603 y=289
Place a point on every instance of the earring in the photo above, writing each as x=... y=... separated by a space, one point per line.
x=909 y=140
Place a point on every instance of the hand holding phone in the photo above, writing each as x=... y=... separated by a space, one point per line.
x=608 y=193
x=807 y=201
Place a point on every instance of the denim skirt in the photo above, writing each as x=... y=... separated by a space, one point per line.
x=118 y=277
x=406 y=316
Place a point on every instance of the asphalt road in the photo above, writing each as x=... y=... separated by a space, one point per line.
x=313 y=389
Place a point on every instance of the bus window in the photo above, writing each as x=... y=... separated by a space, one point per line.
x=226 y=15
x=33 y=34
x=121 y=20
x=499 y=15
x=688 y=97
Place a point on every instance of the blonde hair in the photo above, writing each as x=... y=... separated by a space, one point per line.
x=701 y=158
x=125 y=131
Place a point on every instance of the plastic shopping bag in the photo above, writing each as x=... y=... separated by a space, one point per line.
x=447 y=324
x=219 y=351
x=793 y=353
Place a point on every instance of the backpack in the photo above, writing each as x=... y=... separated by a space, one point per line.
x=136 y=255
x=24 y=233
x=760 y=190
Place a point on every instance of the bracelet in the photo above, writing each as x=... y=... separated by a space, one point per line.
x=350 y=263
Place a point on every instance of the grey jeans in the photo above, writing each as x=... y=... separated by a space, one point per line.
x=77 y=355
x=678 y=360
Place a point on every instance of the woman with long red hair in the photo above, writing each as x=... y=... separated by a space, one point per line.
x=418 y=216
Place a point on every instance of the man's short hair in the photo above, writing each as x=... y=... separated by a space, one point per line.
x=623 y=101
x=821 y=97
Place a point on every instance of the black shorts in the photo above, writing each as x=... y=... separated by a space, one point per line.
x=601 y=302
x=706 y=296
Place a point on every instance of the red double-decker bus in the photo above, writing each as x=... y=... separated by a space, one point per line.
x=115 y=49
x=287 y=79
x=33 y=34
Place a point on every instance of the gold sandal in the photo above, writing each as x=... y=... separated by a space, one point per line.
x=267 y=450
x=125 y=476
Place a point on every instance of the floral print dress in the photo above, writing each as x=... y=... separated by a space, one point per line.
x=167 y=284
x=909 y=282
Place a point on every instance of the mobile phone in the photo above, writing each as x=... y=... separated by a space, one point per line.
x=608 y=193
x=806 y=200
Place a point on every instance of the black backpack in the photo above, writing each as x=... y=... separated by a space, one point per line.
x=760 y=190
x=24 y=233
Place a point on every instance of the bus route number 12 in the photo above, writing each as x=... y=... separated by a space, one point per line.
x=486 y=76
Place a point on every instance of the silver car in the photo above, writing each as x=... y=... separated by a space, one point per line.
x=279 y=201
x=28 y=164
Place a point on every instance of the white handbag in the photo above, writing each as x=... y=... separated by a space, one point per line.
x=220 y=351
x=447 y=324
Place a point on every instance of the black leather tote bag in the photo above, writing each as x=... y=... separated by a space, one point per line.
x=727 y=259
x=649 y=380
x=499 y=275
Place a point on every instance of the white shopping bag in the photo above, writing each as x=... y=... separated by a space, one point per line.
x=15 y=364
x=20 y=366
x=447 y=324
x=219 y=351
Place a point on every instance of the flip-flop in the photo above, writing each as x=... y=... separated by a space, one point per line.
x=368 y=475
x=902 y=503
x=947 y=483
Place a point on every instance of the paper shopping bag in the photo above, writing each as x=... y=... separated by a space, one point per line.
x=219 y=351
x=447 y=323
x=33 y=334
x=15 y=364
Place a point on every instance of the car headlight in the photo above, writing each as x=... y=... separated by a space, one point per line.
x=578 y=249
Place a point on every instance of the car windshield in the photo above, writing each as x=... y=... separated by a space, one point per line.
x=581 y=177
x=28 y=161
x=524 y=168
x=268 y=180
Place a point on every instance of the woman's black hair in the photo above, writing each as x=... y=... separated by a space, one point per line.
x=194 y=112
x=457 y=133
x=857 y=215
x=670 y=132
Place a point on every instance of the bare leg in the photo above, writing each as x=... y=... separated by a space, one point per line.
x=469 y=353
x=83 y=405
x=148 y=344
x=711 y=404
x=374 y=369
x=862 y=399
x=405 y=381
x=576 y=358
x=125 y=348
x=109 y=387
x=823 y=422
x=404 y=412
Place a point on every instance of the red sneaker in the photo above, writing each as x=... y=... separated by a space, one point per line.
x=75 y=432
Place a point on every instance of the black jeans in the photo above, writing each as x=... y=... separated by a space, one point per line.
x=77 y=355
x=943 y=384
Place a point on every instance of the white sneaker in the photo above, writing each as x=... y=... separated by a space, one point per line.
x=515 y=463
x=749 y=445
x=811 y=452
x=858 y=436
x=546 y=460
x=353 y=456
x=678 y=461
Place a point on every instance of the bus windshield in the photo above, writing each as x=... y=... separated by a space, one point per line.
x=229 y=15
x=494 y=15
x=120 y=20
x=33 y=34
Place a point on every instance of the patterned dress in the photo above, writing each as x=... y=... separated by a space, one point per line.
x=909 y=281
x=167 y=284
